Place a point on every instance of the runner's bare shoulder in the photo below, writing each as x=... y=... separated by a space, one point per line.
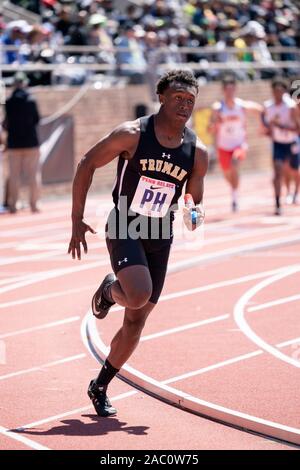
x=129 y=133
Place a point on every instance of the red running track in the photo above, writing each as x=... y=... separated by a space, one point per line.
x=226 y=330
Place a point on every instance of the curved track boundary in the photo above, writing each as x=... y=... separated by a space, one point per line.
x=241 y=308
x=184 y=400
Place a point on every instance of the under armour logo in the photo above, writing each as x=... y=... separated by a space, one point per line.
x=122 y=261
x=166 y=155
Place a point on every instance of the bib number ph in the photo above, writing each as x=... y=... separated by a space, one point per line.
x=152 y=197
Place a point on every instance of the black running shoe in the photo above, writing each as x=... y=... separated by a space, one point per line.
x=101 y=306
x=100 y=400
x=278 y=211
x=234 y=206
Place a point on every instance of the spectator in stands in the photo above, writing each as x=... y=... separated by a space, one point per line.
x=131 y=62
x=21 y=120
x=78 y=32
x=254 y=36
x=14 y=35
x=198 y=22
x=63 y=22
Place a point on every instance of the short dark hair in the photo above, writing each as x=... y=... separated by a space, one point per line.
x=280 y=81
x=179 y=76
x=228 y=79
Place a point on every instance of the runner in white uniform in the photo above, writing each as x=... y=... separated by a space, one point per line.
x=281 y=122
x=228 y=123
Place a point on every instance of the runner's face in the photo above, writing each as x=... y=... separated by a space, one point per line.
x=278 y=92
x=229 y=90
x=178 y=101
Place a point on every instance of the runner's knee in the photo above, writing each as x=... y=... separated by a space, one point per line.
x=137 y=297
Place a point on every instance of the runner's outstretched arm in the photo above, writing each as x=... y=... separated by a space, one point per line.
x=120 y=142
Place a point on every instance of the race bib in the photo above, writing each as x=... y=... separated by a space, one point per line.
x=233 y=129
x=283 y=136
x=152 y=197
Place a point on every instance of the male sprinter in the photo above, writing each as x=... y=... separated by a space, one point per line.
x=228 y=123
x=157 y=156
x=280 y=119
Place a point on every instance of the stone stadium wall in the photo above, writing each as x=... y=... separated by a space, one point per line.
x=98 y=111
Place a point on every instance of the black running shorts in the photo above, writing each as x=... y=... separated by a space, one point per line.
x=284 y=152
x=154 y=254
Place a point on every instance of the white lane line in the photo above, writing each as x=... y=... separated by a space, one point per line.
x=23 y=259
x=63 y=212
x=217 y=365
x=183 y=327
x=40 y=327
x=228 y=362
x=23 y=439
x=239 y=315
x=33 y=229
x=56 y=249
x=21 y=219
x=288 y=343
x=102 y=259
x=237 y=236
x=52 y=295
x=31 y=279
x=61 y=246
x=185 y=400
x=53 y=274
x=241 y=249
x=281 y=301
x=13 y=279
x=42 y=239
x=72 y=412
x=215 y=285
x=43 y=366
x=134 y=392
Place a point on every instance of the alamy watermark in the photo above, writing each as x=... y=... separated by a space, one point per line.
x=295 y=89
x=123 y=223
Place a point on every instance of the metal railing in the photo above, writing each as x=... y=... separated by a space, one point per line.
x=86 y=57
x=205 y=50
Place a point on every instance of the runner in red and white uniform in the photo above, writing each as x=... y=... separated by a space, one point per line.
x=228 y=123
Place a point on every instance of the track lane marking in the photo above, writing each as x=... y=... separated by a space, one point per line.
x=273 y=303
x=42 y=366
x=25 y=440
x=133 y=392
x=71 y=412
x=195 y=290
x=227 y=362
x=52 y=295
x=40 y=327
x=240 y=310
x=183 y=399
x=185 y=327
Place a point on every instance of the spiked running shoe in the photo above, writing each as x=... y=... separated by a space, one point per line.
x=101 y=306
x=100 y=400
x=278 y=211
